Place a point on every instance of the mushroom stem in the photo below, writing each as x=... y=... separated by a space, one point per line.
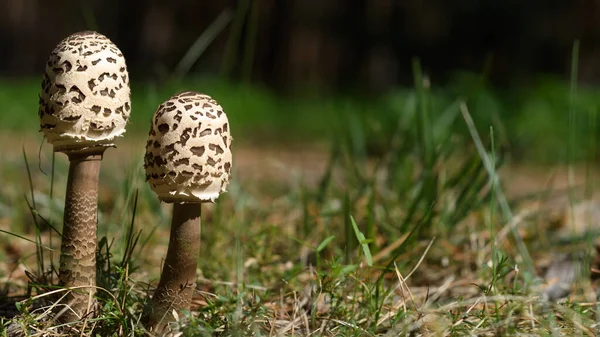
x=178 y=278
x=78 y=247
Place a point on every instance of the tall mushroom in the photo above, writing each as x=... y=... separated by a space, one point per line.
x=187 y=162
x=84 y=105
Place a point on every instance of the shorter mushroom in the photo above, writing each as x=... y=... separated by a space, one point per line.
x=187 y=162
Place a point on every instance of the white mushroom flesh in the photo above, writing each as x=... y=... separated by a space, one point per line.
x=188 y=153
x=85 y=100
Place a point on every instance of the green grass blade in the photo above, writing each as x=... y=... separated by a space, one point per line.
x=591 y=153
x=33 y=211
x=38 y=244
x=131 y=239
x=492 y=210
x=489 y=166
x=250 y=43
x=326 y=179
x=201 y=43
x=349 y=238
x=429 y=177
x=424 y=117
x=362 y=241
x=371 y=220
x=572 y=126
x=324 y=243
x=235 y=35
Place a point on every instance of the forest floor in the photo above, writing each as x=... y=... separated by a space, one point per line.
x=344 y=217
x=269 y=180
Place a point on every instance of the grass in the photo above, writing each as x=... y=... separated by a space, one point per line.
x=529 y=118
x=404 y=231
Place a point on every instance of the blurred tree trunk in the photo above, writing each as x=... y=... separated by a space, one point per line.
x=275 y=41
x=381 y=61
x=131 y=14
x=20 y=20
x=355 y=43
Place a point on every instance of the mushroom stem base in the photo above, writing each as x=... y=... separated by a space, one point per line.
x=178 y=278
x=78 y=248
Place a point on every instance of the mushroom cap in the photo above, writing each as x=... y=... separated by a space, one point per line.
x=188 y=153
x=85 y=99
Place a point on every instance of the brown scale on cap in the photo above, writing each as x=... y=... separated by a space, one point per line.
x=85 y=98
x=188 y=153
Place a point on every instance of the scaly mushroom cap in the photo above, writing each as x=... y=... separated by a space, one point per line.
x=85 y=99
x=188 y=153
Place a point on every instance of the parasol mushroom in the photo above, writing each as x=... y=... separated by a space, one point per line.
x=187 y=162
x=84 y=105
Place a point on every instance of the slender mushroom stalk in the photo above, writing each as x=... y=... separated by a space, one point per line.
x=187 y=162
x=178 y=278
x=84 y=105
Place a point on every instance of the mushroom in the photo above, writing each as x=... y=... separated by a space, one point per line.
x=84 y=105
x=187 y=162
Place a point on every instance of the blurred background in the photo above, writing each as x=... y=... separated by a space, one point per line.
x=332 y=45
x=292 y=68
x=337 y=108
